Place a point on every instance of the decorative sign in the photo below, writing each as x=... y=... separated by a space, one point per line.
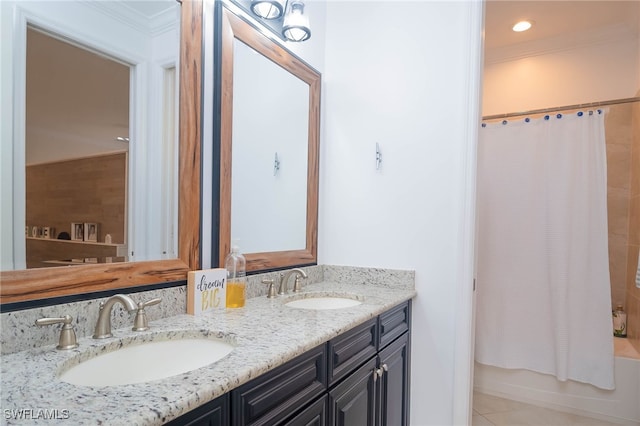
x=206 y=290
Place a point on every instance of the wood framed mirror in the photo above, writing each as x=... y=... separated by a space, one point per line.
x=44 y=283
x=262 y=196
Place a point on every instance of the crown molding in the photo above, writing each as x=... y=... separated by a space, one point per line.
x=563 y=43
x=152 y=25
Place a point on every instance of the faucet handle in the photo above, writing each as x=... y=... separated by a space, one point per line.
x=271 y=291
x=297 y=285
x=67 y=333
x=149 y=303
x=141 y=323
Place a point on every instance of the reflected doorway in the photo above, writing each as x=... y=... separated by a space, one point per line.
x=76 y=153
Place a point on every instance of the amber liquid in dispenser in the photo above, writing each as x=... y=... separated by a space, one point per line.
x=235 y=294
x=235 y=264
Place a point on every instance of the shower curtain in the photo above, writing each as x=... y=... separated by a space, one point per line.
x=543 y=289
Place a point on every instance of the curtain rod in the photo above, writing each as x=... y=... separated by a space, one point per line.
x=567 y=107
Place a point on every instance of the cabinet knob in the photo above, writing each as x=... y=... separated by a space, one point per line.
x=377 y=374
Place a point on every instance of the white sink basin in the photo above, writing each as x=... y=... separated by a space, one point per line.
x=323 y=302
x=139 y=363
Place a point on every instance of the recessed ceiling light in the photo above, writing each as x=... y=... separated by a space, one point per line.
x=522 y=26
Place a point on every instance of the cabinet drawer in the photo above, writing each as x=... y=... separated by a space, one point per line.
x=277 y=394
x=393 y=323
x=314 y=415
x=351 y=349
x=213 y=413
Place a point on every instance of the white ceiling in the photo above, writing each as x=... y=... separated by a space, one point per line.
x=150 y=8
x=556 y=21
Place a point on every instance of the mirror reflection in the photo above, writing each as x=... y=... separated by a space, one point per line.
x=76 y=152
x=270 y=133
x=90 y=153
x=268 y=139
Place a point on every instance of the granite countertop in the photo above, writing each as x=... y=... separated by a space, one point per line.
x=266 y=334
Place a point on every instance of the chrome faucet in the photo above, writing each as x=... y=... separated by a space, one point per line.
x=103 y=326
x=284 y=279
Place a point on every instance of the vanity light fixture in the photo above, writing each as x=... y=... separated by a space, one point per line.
x=268 y=9
x=285 y=16
x=296 y=22
x=522 y=26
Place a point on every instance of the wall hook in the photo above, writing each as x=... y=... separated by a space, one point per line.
x=276 y=165
x=378 y=157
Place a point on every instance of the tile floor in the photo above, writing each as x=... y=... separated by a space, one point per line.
x=490 y=410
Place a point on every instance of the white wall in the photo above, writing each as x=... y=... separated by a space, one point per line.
x=603 y=66
x=406 y=75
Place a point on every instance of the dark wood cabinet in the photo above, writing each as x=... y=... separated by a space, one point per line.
x=278 y=394
x=349 y=350
x=377 y=393
x=394 y=323
x=213 y=413
x=393 y=385
x=352 y=402
x=360 y=377
x=314 y=415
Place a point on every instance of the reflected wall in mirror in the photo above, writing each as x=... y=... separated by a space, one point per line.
x=76 y=154
x=154 y=154
x=270 y=130
x=269 y=138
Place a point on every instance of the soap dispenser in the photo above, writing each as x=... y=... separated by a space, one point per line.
x=619 y=322
x=235 y=265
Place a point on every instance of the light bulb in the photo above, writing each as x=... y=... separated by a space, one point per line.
x=521 y=26
x=268 y=9
x=296 y=23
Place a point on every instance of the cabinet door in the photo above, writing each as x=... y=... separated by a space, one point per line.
x=213 y=413
x=394 y=383
x=314 y=415
x=353 y=401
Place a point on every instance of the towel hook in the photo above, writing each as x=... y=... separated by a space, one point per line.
x=378 y=156
x=276 y=165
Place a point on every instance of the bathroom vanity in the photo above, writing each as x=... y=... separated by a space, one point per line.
x=360 y=377
x=288 y=366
